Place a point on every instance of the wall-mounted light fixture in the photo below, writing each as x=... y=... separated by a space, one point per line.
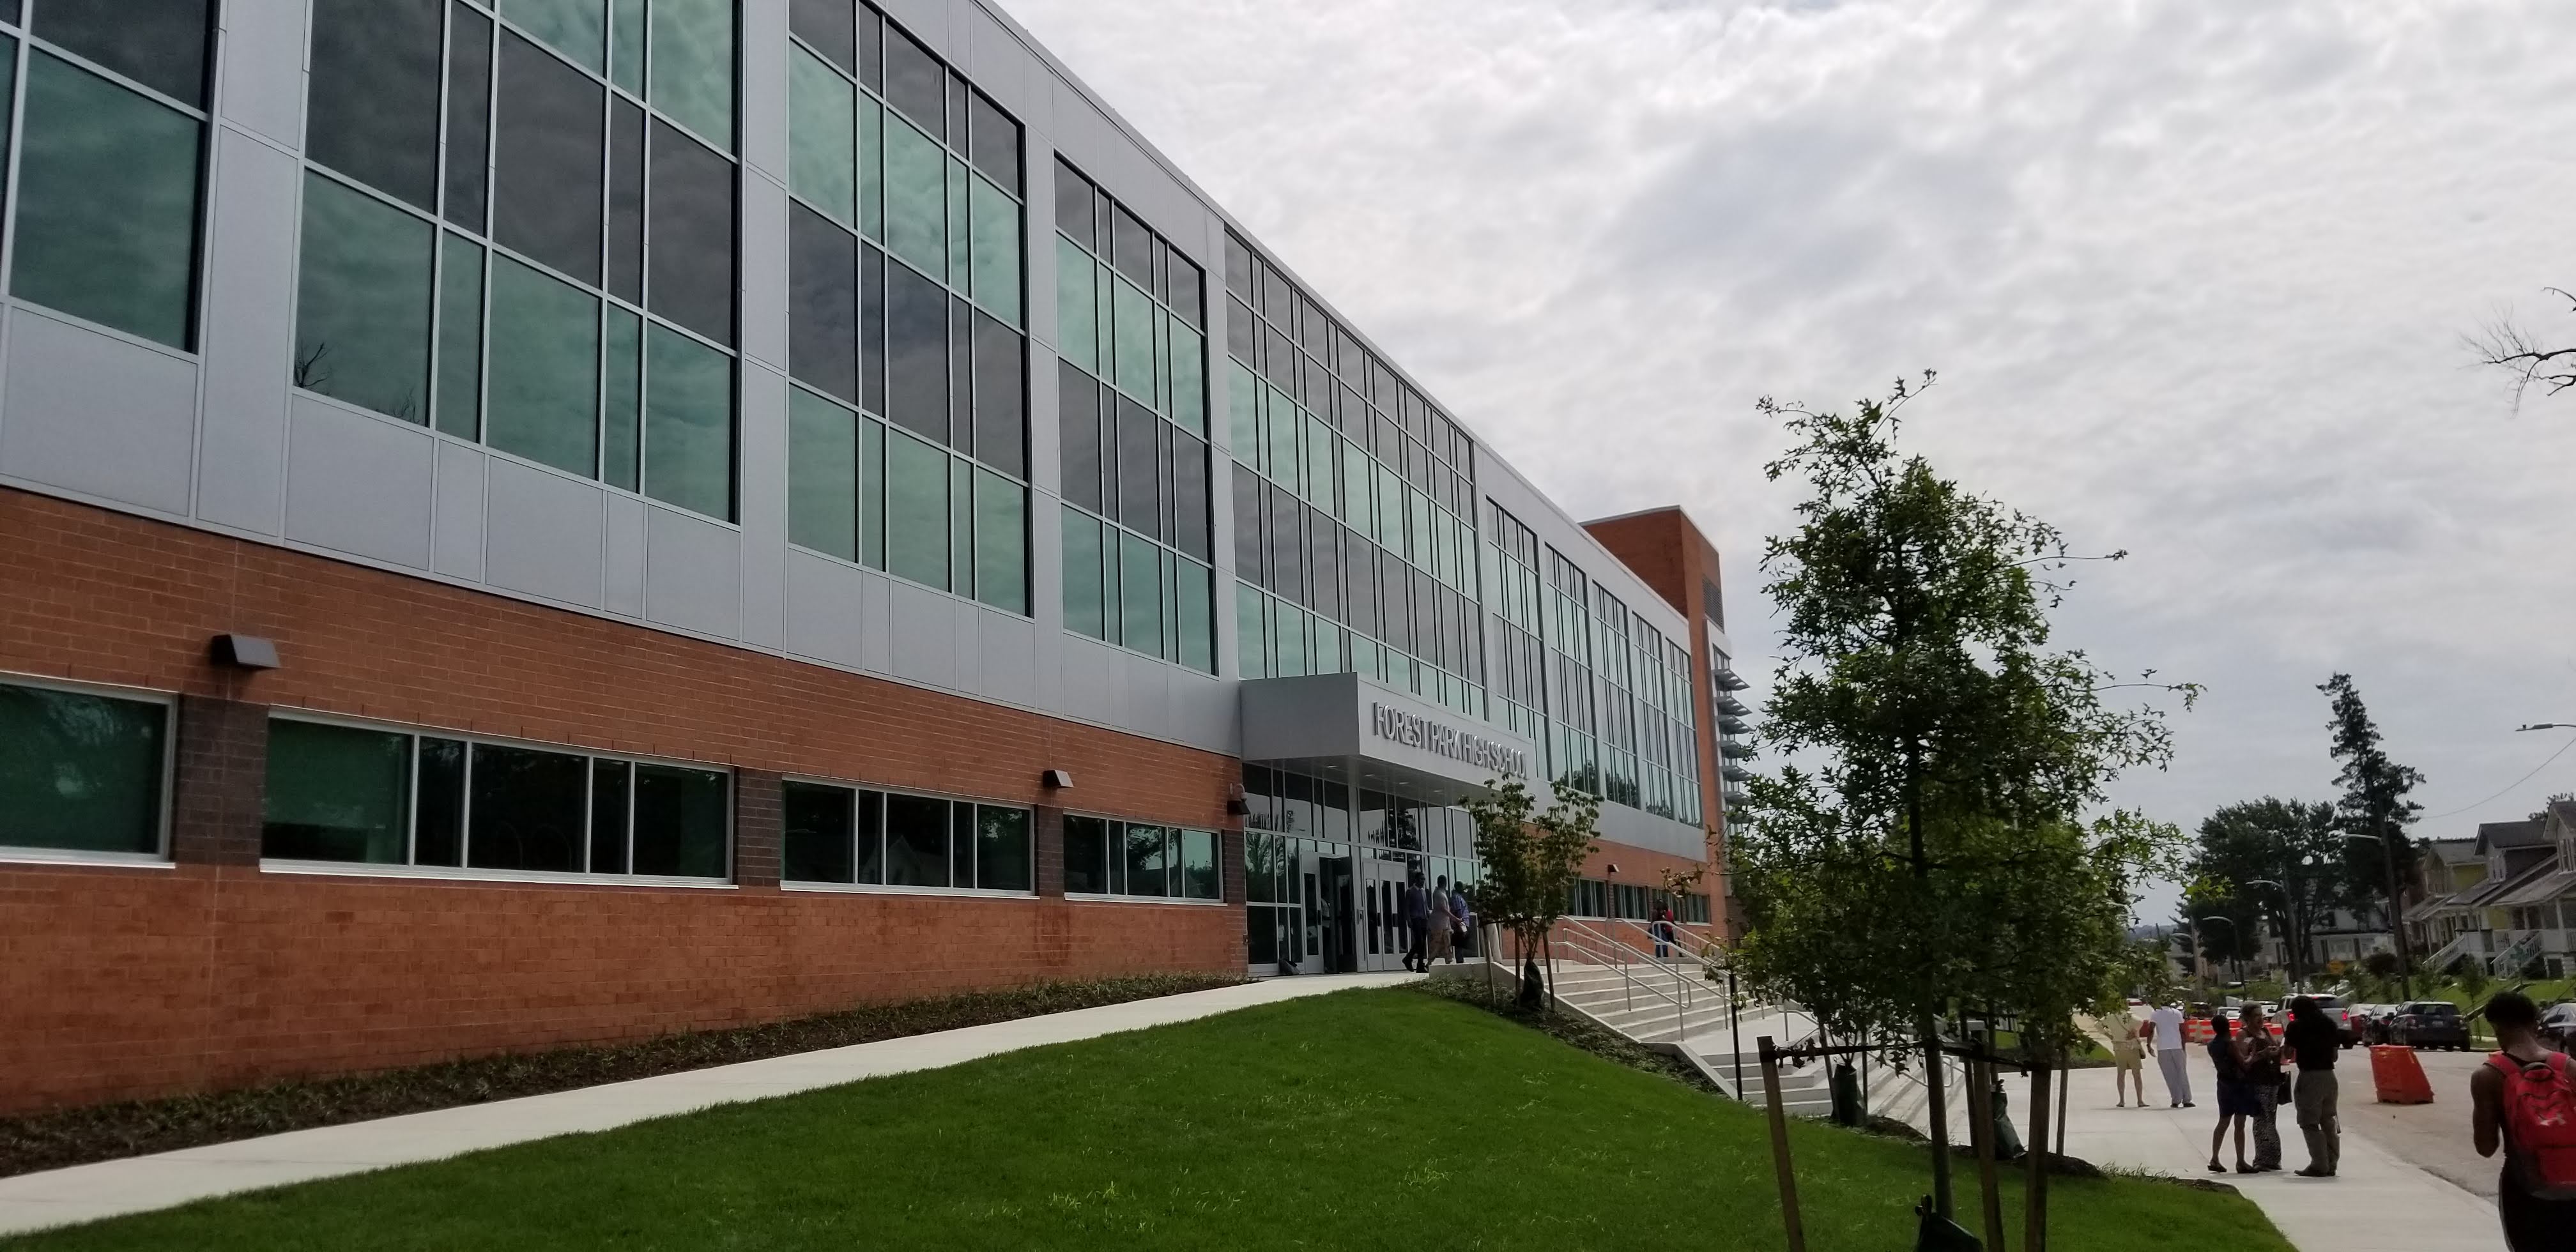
x=1235 y=803
x=243 y=652
x=1057 y=779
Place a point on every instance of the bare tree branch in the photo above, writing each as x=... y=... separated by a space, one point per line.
x=2506 y=346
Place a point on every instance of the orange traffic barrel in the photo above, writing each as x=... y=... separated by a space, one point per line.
x=2398 y=1076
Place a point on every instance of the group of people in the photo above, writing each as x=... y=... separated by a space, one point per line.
x=2523 y=1102
x=1426 y=942
x=2254 y=1079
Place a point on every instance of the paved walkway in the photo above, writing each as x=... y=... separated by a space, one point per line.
x=2377 y=1203
x=140 y=1184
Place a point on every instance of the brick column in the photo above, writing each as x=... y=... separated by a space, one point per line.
x=218 y=796
x=1229 y=865
x=759 y=829
x=1046 y=843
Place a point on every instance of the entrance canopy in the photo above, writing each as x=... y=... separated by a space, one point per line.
x=1350 y=729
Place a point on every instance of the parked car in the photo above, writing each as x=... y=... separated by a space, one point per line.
x=2429 y=1024
x=2340 y=1014
x=2369 y=1022
x=2558 y=1026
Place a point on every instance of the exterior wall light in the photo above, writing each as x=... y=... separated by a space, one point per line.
x=1057 y=779
x=243 y=652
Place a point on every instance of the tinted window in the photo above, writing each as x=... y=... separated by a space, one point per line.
x=1001 y=848
x=158 y=43
x=1078 y=436
x=107 y=205
x=1086 y=855
x=822 y=135
x=1146 y=866
x=993 y=143
x=916 y=510
x=80 y=772
x=679 y=821
x=1137 y=502
x=626 y=201
x=373 y=100
x=1073 y=204
x=529 y=809
x=688 y=424
x=822 y=475
x=1085 y=595
x=469 y=116
x=363 y=301
x=817 y=841
x=1001 y=542
x=916 y=841
x=438 y=816
x=1247 y=524
x=914 y=81
x=692 y=229
x=831 y=26
x=916 y=352
x=1133 y=246
x=576 y=28
x=823 y=303
x=622 y=401
x=544 y=385
x=692 y=65
x=460 y=338
x=1001 y=410
x=546 y=155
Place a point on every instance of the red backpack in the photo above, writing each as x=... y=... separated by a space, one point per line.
x=2540 y=1123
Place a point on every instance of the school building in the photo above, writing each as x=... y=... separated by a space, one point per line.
x=556 y=523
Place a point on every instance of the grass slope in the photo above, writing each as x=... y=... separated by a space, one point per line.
x=1360 y=1119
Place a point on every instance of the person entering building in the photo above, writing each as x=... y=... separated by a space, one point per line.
x=1461 y=928
x=2314 y=1042
x=1435 y=930
x=2165 y=1041
x=2524 y=1101
x=1417 y=925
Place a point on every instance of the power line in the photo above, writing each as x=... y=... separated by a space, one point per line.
x=2562 y=751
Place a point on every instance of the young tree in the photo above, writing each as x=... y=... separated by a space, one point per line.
x=2374 y=803
x=1529 y=861
x=1936 y=856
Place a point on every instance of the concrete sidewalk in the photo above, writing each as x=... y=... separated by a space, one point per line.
x=2376 y=1203
x=139 y=1184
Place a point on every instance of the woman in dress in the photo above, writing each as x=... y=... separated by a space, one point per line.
x=2234 y=1103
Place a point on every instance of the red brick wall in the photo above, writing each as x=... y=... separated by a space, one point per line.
x=124 y=983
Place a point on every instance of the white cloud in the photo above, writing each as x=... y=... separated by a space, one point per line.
x=2194 y=274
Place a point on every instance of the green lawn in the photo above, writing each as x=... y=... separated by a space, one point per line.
x=1361 y=1119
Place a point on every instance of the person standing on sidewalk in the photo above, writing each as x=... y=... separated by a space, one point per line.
x=2313 y=1043
x=2235 y=1103
x=1417 y=926
x=2524 y=1105
x=2166 y=1043
x=2128 y=1058
x=2259 y=1060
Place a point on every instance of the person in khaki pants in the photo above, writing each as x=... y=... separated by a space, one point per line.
x=2314 y=1042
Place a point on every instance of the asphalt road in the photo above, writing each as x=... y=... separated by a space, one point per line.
x=2433 y=1137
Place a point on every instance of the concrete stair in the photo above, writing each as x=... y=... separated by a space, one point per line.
x=1671 y=1009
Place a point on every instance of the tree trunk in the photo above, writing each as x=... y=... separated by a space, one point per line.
x=1937 y=1110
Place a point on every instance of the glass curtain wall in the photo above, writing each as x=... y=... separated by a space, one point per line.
x=908 y=424
x=519 y=228
x=1573 y=753
x=1298 y=822
x=1132 y=405
x=1354 y=522
x=105 y=209
x=1515 y=593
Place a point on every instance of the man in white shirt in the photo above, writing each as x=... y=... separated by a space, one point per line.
x=2166 y=1043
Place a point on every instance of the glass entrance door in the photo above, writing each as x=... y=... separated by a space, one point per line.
x=1382 y=886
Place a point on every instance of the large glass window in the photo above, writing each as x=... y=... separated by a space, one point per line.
x=1133 y=409
x=81 y=772
x=855 y=835
x=610 y=267
x=1105 y=856
x=107 y=202
x=905 y=300
x=392 y=797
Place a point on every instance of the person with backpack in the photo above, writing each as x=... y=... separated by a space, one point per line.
x=2313 y=1042
x=2524 y=1101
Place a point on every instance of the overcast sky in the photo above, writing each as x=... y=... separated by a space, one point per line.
x=2195 y=275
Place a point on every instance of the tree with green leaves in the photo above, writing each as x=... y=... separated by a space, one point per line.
x=2274 y=866
x=1528 y=861
x=1929 y=846
x=2374 y=804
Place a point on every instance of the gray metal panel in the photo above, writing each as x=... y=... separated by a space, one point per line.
x=1640 y=829
x=544 y=534
x=1205 y=712
x=263 y=67
x=876 y=624
x=764 y=90
x=764 y=271
x=1042 y=279
x=1008 y=668
x=933 y=22
x=968 y=630
x=924 y=629
x=692 y=572
x=93 y=413
x=1331 y=716
x=249 y=331
x=623 y=553
x=1002 y=66
x=1144 y=704
x=824 y=609
x=359 y=483
x=764 y=506
x=1081 y=676
x=456 y=545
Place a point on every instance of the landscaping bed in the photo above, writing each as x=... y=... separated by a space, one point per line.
x=109 y=1131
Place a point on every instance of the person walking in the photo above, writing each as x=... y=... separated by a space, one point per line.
x=2313 y=1043
x=2524 y=1101
x=2259 y=1061
x=1663 y=930
x=1417 y=926
x=2128 y=1058
x=1435 y=924
x=2235 y=1104
x=1461 y=934
x=2165 y=1041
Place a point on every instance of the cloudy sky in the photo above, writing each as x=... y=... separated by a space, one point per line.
x=2195 y=275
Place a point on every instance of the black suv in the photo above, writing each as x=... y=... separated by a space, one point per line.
x=2429 y=1024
